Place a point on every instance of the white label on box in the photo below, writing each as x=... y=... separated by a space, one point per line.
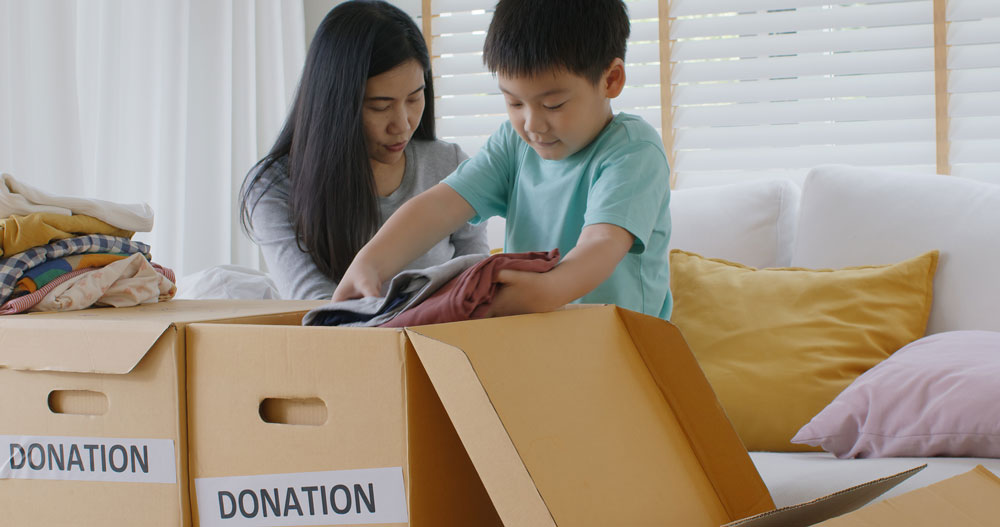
x=88 y=459
x=339 y=497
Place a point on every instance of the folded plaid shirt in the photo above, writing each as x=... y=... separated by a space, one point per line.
x=12 y=268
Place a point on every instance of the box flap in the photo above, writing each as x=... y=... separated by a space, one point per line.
x=112 y=340
x=587 y=419
x=718 y=446
x=830 y=506
x=76 y=345
x=501 y=470
x=970 y=500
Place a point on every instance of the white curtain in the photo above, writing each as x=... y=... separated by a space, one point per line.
x=167 y=102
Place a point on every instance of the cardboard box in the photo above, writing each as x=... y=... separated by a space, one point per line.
x=969 y=500
x=93 y=416
x=587 y=417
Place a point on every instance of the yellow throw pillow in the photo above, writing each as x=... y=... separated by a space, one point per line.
x=779 y=344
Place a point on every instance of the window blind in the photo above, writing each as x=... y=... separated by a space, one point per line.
x=468 y=105
x=766 y=88
x=773 y=87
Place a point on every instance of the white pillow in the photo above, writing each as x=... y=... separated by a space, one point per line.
x=861 y=216
x=752 y=223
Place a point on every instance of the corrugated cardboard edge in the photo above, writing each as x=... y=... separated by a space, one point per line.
x=718 y=448
x=829 y=506
x=486 y=440
x=114 y=340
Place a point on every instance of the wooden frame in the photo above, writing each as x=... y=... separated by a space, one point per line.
x=942 y=122
x=666 y=87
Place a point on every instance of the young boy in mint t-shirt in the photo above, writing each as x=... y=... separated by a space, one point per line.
x=564 y=171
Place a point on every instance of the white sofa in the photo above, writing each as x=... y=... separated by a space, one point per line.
x=847 y=216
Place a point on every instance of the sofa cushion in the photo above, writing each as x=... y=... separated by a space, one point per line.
x=860 y=216
x=752 y=223
x=935 y=397
x=779 y=344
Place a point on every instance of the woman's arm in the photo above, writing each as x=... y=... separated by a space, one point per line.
x=292 y=269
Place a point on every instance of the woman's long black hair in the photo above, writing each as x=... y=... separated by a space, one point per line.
x=333 y=201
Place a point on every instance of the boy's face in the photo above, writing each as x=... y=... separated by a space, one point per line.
x=558 y=113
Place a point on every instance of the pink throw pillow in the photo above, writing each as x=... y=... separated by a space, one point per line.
x=937 y=396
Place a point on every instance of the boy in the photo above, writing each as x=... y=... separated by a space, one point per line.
x=564 y=171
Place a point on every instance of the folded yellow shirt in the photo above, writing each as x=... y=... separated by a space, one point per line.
x=20 y=233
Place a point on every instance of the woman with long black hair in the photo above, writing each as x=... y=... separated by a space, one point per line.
x=358 y=142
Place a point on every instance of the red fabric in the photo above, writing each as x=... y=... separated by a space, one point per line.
x=469 y=295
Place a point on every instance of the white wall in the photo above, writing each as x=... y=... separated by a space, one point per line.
x=315 y=10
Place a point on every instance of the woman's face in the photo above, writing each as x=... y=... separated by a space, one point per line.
x=391 y=111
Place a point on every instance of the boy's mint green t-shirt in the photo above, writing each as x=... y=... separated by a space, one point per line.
x=620 y=178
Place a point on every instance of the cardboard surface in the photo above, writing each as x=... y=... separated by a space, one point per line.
x=591 y=416
x=93 y=411
x=970 y=500
x=820 y=509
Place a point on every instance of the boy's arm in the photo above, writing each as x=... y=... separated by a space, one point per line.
x=411 y=231
x=598 y=251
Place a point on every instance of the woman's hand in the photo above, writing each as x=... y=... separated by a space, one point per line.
x=359 y=281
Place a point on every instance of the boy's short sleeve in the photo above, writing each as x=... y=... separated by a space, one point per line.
x=485 y=179
x=631 y=191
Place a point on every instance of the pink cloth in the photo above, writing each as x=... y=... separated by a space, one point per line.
x=26 y=302
x=468 y=296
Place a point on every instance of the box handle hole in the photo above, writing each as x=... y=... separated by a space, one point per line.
x=309 y=411
x=78 y=402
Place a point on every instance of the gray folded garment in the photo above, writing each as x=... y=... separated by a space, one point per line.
x=406 y=289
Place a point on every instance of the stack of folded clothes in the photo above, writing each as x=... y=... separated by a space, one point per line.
x=62 y=253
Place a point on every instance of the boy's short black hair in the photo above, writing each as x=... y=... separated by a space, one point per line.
x=527 y=37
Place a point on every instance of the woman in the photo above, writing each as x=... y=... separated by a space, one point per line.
x=358 y=142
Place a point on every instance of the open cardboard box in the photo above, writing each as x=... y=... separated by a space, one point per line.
x=93 y=417
x=593 y=416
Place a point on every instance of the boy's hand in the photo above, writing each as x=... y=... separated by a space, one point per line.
x=522 y=292
x=598 y=251
x=359 y=281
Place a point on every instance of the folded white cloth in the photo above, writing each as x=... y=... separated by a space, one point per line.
x=127 y=282
x=22 y=199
